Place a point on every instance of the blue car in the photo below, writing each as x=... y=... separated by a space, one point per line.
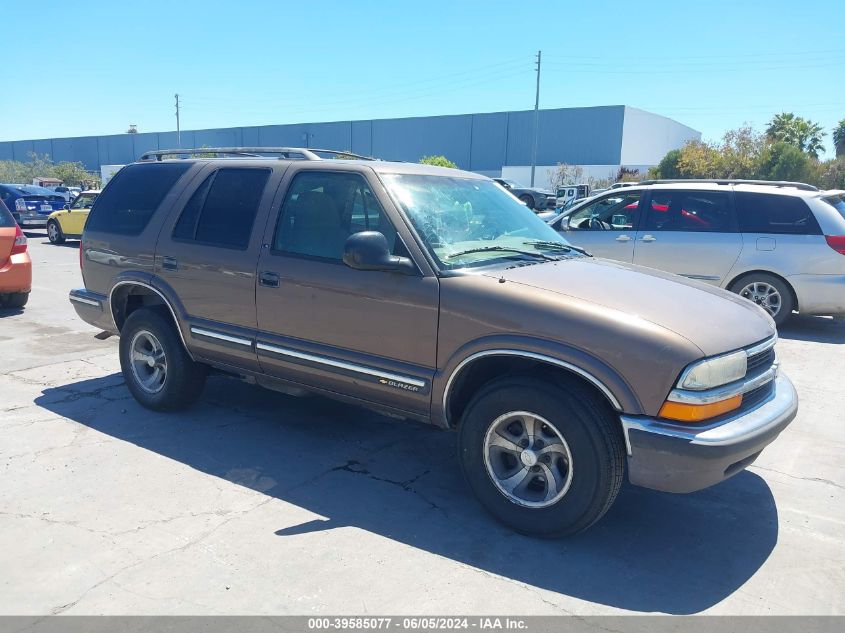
x=30 y=205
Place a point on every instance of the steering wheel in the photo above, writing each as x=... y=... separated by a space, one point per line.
x=597 y=225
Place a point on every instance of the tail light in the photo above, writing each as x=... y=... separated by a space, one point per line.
x=20 y=242
x=836 y=242
x=20 y=204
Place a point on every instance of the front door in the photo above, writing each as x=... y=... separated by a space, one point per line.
x=689 y=233
x=368 y=334
x=606 y=227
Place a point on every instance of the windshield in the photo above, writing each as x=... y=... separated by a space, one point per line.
x=33 y=190
x=84 y=201
x=467 y=222
x=838 y=203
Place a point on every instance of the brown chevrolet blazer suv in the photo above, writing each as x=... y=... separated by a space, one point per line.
x=432 y=294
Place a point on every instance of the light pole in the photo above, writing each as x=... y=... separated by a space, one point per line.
x=536 y=120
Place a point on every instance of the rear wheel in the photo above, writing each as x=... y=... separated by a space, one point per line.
x=769 y=292
x=544 y=459
x=157 y=369
x=54 y=232
x=14 y=299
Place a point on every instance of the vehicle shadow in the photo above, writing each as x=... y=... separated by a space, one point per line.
x=653 y=552
x=815 y=329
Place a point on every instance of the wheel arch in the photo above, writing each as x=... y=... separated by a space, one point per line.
x=761 y=271
x=127 y=296
x=481 y=367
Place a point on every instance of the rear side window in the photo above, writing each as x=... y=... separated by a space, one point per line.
x=222 y=211
x=837 y=202
x=131 y=198
x=695 y=211
x=768 y=213
x=6 y=219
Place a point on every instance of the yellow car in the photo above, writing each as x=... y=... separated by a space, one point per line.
x=69 y=222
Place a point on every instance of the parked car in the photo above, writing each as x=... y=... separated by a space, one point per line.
x=68 y=193
x=780 y=246
x=68 y=223
x=432 y=294
x=15 y=264
x=537 y=199
x=30 y=205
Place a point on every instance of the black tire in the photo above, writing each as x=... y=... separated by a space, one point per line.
x=56 y=236
x=14 y=300
x=589 y=428
x=528 y=200
x=787 y=302
x=183 y=379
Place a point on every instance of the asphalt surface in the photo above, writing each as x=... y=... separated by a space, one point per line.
x=253 y=502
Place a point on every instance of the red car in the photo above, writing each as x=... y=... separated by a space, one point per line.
x=15 y=264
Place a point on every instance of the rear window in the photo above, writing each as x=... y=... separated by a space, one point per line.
x=6 y=219
x=131 y=198
x=837 y=202
x=768 y=213
x=222 y=211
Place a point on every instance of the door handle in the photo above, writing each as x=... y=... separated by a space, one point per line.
x=649 y=238
x=623 y=238
x=271 y=280
x=169 y=263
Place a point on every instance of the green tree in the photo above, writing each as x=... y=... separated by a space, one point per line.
x=804 y=134
x=668 y=166
x=437 y=161
x=783 y=161
x=839 y=138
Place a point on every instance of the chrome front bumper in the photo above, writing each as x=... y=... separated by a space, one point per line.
x=672 y=457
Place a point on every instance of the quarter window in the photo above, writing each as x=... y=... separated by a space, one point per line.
x=771 y=213
x=694 y=211
x=222 y=211
x=322 y=209
x=133 y=196
x=612 y=213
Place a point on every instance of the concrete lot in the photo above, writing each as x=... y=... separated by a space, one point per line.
x=254 y=502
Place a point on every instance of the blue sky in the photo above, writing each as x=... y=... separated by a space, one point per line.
x=711 y=65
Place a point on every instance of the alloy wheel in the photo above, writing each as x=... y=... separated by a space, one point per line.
x=149 y=362
x=528 y=459
x=764 y=295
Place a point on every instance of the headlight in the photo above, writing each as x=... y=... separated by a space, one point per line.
x=714 y=372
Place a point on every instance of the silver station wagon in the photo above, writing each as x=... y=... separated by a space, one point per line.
x=781 y=245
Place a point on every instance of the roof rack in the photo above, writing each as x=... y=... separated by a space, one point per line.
x=292 y=153
x=731 y=181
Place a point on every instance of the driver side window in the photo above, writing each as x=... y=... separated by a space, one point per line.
x=611 y=213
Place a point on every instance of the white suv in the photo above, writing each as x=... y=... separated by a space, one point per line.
x=781 y=245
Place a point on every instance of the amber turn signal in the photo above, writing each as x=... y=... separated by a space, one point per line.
x=685 y=412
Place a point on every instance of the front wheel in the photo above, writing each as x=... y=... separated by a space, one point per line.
x=528 y=200
x=156 y=367
x=544 y=459
x=769 y=292
x=54 y=232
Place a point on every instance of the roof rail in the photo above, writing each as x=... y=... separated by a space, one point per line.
x=731 y=181
x=293 y=153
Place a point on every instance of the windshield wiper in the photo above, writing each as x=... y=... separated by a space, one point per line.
x=484 y=249
x=559 y=246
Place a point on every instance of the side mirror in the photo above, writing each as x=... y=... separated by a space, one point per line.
x=368 y=250
x=66 y=207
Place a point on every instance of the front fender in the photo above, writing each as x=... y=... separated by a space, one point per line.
x=610 y=382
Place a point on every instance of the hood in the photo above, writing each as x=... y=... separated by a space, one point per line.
x=714 y=320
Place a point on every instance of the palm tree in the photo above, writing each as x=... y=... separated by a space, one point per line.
x=839 y=138
x=804 y=134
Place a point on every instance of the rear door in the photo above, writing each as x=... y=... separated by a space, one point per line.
x=207 y=253
x=689 y=233
x=606 y=227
